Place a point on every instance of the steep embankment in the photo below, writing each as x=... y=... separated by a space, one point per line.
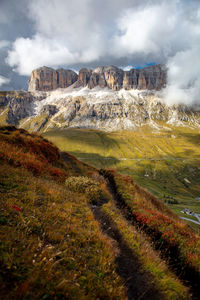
x=53 y=248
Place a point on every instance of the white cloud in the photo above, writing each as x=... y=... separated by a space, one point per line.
x=167 y=32
x=85 y=31
x=64 y=35
x=4 y=80
x=184 y=77
x=159 y=30
x=126 y=68
x=28 y=54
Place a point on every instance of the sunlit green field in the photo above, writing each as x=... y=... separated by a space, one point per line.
x=165 y=162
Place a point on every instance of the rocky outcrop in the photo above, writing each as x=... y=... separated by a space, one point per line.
x=84 y=76
x=19 y=105
x=130 y=80
x=50 y=110
x=152 y=78
x=65 y=78
x=149 y=78
x=43 y=79
x=111 y=77
x=48 y=79
x=3 y=101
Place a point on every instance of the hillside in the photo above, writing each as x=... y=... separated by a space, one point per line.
x=72 y=231
x=165 y=161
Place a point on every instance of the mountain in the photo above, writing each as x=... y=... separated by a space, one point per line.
x=106 y=98
x=72 y=231
x=48 y=79
x=104 y=108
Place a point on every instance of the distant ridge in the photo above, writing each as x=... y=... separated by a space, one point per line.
x=149 y=78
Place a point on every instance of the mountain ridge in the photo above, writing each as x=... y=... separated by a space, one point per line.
x=150 y=78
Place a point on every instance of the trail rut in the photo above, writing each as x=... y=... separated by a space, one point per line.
x=138 y=282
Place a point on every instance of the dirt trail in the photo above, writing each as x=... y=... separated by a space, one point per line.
x=172 y=257
x=138 y=282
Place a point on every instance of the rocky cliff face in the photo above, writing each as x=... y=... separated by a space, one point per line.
x=150 y=78
x=84 y=76
x=48 y=79
x=111 y=77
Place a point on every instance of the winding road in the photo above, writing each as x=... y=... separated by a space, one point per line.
x=187 y=219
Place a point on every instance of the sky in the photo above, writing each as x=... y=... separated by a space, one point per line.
x=124 y=33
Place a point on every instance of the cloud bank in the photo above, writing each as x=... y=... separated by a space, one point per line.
x=127 y=32
x=184 y=77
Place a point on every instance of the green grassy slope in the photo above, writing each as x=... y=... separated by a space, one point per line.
x=51 y=246
x=166 y=162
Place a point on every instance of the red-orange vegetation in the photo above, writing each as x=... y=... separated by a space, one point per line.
x=31 y=152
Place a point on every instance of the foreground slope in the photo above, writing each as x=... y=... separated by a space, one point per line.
x=51 y=246
x=96 y=236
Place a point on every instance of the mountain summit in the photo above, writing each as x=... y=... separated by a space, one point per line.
x=48 y=79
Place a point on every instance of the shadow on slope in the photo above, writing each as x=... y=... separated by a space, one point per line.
x=90 y=137
x=96 y=159
x=137 y=281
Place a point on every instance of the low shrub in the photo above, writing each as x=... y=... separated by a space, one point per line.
x=58 y=173
x=83 y=184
